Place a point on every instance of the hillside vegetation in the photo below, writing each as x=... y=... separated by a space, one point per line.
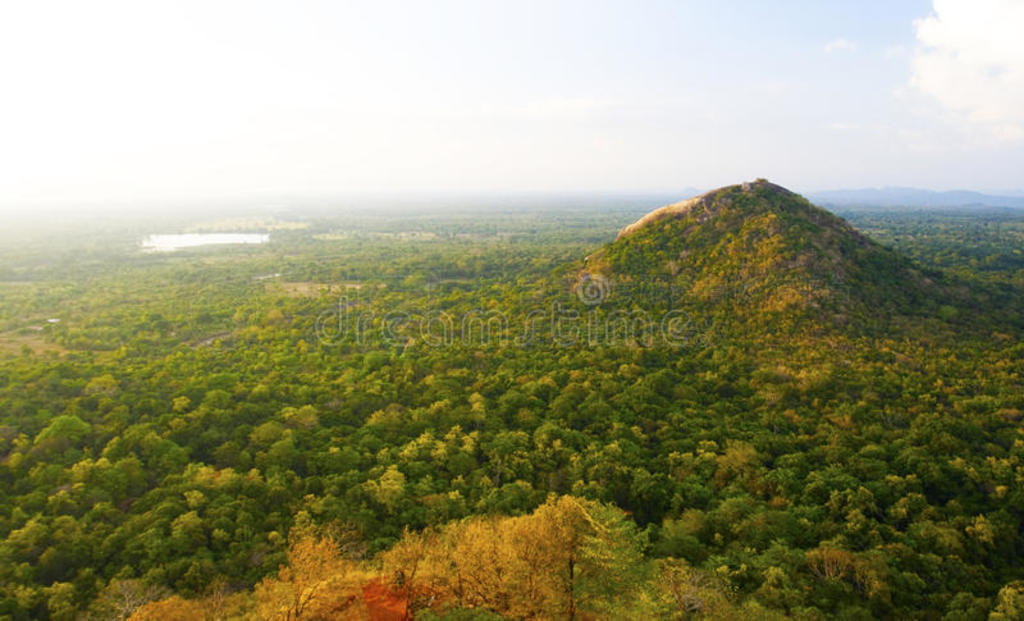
x=740 y=409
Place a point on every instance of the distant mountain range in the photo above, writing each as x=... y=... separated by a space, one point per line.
x=914 y=197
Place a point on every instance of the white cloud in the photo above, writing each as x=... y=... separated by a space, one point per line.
x=970 y=60
x=894 y=51
x=840 y=44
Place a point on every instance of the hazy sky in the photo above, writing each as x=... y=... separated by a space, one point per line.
x=141 y=99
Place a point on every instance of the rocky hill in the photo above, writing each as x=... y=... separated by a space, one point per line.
x=756 y=252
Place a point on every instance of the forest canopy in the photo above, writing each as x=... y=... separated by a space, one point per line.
x=186 y=441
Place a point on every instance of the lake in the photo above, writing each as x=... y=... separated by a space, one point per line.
x=170 y=243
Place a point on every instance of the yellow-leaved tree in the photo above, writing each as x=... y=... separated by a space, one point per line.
x=317 y=583
x=572 y=557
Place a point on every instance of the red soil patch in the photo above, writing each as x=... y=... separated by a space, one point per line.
x=383 y=604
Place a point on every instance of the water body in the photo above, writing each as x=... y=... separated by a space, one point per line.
x=170 y=243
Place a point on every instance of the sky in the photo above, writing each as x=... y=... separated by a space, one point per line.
x=142 y=99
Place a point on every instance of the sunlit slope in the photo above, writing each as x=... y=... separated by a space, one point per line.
x=758 y=254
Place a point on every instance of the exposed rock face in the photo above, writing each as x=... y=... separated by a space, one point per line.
x=700 y=205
